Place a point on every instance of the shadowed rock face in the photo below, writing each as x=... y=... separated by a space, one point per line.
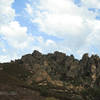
x=54 y=73
x=59 y=66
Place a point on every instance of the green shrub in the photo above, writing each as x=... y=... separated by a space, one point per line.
x=91 y=93
x=51 y=98
x=44 y=91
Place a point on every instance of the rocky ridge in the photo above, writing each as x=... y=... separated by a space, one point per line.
x=56 y=75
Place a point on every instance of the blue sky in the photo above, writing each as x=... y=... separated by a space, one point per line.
x=69 y=26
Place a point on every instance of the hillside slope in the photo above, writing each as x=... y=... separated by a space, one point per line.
x=50 y=77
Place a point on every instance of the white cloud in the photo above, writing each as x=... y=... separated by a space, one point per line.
x=7 y=57
x=7 y=13
x=16 y=35
x=61 y=18
x=45 y=46
x=77 y=26
x=10 y=29
x=14 y=38
x=94 y=37
x=4 y=50
x=29 y=9
x=50 y=42
x=91 y=3
x=4 y=58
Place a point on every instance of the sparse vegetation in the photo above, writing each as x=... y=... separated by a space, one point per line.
x=51 y=98
x=53 y=77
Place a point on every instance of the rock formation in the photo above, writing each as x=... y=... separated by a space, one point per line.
x=55 y=74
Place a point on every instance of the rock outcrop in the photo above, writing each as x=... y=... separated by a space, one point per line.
x=56 y=72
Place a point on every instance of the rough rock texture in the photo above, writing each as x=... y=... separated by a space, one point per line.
x=57 y=75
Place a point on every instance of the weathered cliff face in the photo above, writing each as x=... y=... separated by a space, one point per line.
x=60 y=67
x=56 y=72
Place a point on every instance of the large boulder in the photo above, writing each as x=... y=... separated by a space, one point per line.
x=39 y=76
x=74 y=70
x=28 y=59
x=36 y=54
x=59 y=57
